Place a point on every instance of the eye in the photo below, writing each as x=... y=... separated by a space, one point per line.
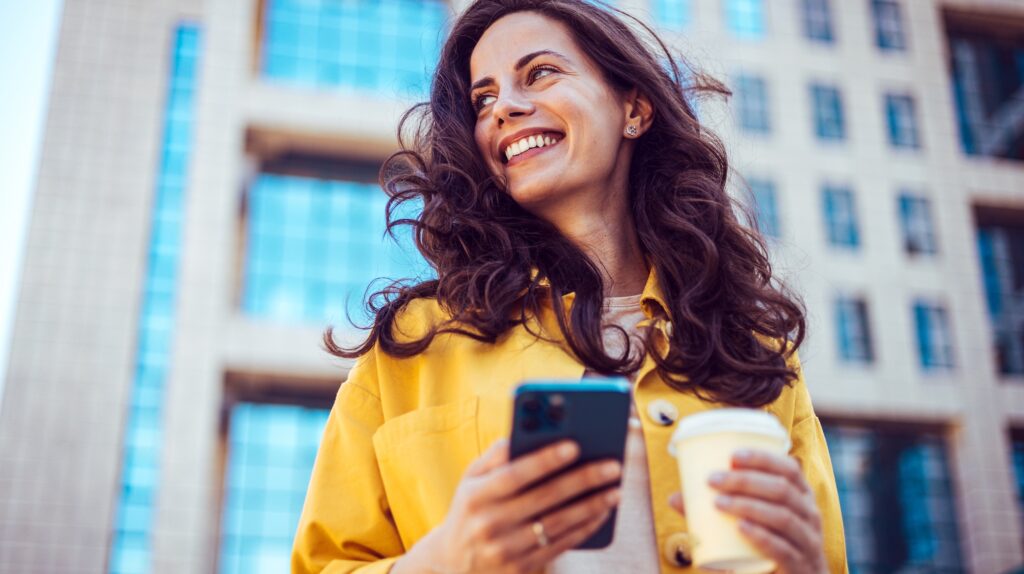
x=480 y=101
x=535 y=72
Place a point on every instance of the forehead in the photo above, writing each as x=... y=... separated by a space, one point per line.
x=515 y=35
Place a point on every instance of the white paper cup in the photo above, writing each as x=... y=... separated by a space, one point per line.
x=703 y=444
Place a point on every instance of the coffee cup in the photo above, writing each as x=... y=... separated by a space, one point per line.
x=703 y=444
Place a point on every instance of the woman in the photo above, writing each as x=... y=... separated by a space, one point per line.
x=576 y=215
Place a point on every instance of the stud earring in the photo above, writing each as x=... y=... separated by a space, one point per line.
x=631 y=130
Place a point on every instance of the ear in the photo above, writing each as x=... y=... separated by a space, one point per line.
x=638 y=110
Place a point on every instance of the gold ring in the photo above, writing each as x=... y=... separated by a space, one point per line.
x=538 y=530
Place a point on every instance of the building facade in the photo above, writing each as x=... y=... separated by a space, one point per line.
x=207 y=202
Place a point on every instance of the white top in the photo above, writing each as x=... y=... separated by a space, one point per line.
x=633 y=548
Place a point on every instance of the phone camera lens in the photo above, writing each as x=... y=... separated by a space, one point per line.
x=531 y=405
x=531 y=423
x=556 y=413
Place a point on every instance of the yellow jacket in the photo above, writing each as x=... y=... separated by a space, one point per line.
x=403 y=430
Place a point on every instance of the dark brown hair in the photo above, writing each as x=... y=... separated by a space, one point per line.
x=713 y=269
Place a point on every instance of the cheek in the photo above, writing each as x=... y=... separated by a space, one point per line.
x=596 y=124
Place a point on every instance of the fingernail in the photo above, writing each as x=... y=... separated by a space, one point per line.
x=716 y=478
x=610 y=469
x=567 y=451
x=613 y=497
x=742 y=455
x=723 y=501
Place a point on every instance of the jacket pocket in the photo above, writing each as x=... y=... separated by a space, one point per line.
x=422 y=456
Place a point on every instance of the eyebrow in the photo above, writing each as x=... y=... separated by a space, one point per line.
x=488 y=81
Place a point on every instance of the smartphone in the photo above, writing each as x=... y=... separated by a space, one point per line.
x=592 y=412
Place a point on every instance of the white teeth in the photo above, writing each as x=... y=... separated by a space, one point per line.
x=526 y=143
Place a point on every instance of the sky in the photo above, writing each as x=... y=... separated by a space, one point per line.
x=28 y=42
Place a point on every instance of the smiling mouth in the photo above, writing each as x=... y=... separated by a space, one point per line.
x=526 y=148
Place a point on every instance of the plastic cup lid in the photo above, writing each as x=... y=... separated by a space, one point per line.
x=740 y=420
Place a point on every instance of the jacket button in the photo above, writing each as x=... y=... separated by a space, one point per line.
x=662 y=412
x=679 y=549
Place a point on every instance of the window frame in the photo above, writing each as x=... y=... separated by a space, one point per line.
x=903 y=127
x=818 y=21
x=828 y=112
x=854 y=337
x=917 y=224
x=889 y=25
x=753 y=103
x=739 y=15
x=934 y=335
x=840 y=213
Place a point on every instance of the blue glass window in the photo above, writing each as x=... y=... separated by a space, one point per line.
x=840 y=217
x=1017 y=458
x=988 y=73
x=1001 y=251
x=746 y=18
x=853 y=330
x=315 y=245
x=916 y=224
x=752 y=103
x=271 y=450
x=902 y=121
x=378 y=45
x=674 y=14
x=766 y=207
x=897 y=497
x=131 y=550
x=827 y=108
x=934 y=336
x=888 y=21
x=817 y=20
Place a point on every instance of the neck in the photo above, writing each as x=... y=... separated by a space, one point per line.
x=608 y=237
x=600 y=222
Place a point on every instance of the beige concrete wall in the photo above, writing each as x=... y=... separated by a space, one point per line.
x=74 y=332
x=74 y=336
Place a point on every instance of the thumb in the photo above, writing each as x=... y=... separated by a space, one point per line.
x=676 y=502
x=495 y=456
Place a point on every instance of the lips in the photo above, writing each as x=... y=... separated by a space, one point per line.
x=519 y=158
x=525 y=133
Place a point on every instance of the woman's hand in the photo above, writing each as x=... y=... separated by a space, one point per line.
x=491 y=523
x=776 y=509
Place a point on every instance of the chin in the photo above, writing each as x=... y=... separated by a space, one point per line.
x=532 y=197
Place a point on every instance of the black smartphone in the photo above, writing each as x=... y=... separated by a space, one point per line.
x=592 y=412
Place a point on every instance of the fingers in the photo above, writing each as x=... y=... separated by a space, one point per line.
x=676 y=502
x=769 y=493
x=782 y=465
x=552 y=493
x=558 y=524
x=541 y=556
x=788 y=557
x=495 y=456
x=769 y=487
x=517 y=545
x=508 y=479
x=780 y=520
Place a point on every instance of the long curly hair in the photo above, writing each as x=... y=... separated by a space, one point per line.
x=735 y=325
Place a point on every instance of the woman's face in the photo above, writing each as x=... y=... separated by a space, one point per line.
x=547 y=122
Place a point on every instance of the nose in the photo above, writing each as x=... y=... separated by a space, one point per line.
x=511 y=104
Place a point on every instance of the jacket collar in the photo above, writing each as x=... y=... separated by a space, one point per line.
x=652 y=300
